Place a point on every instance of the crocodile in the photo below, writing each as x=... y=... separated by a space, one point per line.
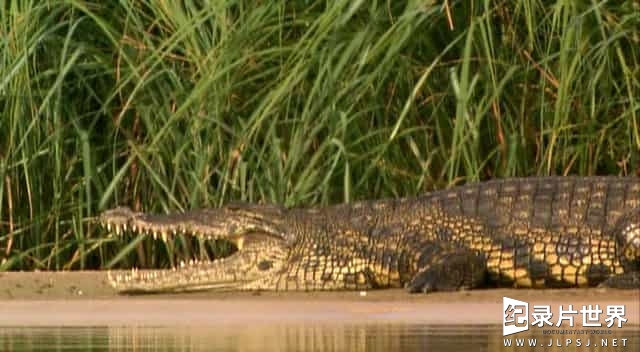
x=535 y=232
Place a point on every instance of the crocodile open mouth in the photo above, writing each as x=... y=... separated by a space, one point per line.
x=185 y=242
x=176 y=250
x=207 y=249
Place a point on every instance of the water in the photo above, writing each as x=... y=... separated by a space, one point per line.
x=298 y=337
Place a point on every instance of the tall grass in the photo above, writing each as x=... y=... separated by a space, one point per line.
x=164 y=105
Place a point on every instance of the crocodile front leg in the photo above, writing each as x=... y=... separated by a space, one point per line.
x=448 y=269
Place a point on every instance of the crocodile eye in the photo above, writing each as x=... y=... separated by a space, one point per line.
x=265 y=265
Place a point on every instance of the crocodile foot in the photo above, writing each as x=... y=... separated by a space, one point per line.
x=630 y=280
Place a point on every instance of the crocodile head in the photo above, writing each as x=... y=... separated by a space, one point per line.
x=254 y=229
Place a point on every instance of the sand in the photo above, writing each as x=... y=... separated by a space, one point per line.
x=86 y=299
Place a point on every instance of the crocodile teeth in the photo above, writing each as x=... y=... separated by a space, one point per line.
x=113 y=280
x=134 y=274
x=165 y=236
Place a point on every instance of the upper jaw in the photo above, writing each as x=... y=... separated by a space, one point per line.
x=228 y=223
x=205 y=223
x=118 y=219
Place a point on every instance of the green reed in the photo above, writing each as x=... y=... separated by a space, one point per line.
x=164 y=105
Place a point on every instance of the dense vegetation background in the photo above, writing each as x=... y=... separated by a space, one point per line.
x=165 y=105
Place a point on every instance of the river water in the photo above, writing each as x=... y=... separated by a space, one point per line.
x=306 y=337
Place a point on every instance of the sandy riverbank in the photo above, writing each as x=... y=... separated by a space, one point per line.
x=85 y=298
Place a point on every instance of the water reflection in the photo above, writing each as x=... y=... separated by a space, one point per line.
x=297 y=337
